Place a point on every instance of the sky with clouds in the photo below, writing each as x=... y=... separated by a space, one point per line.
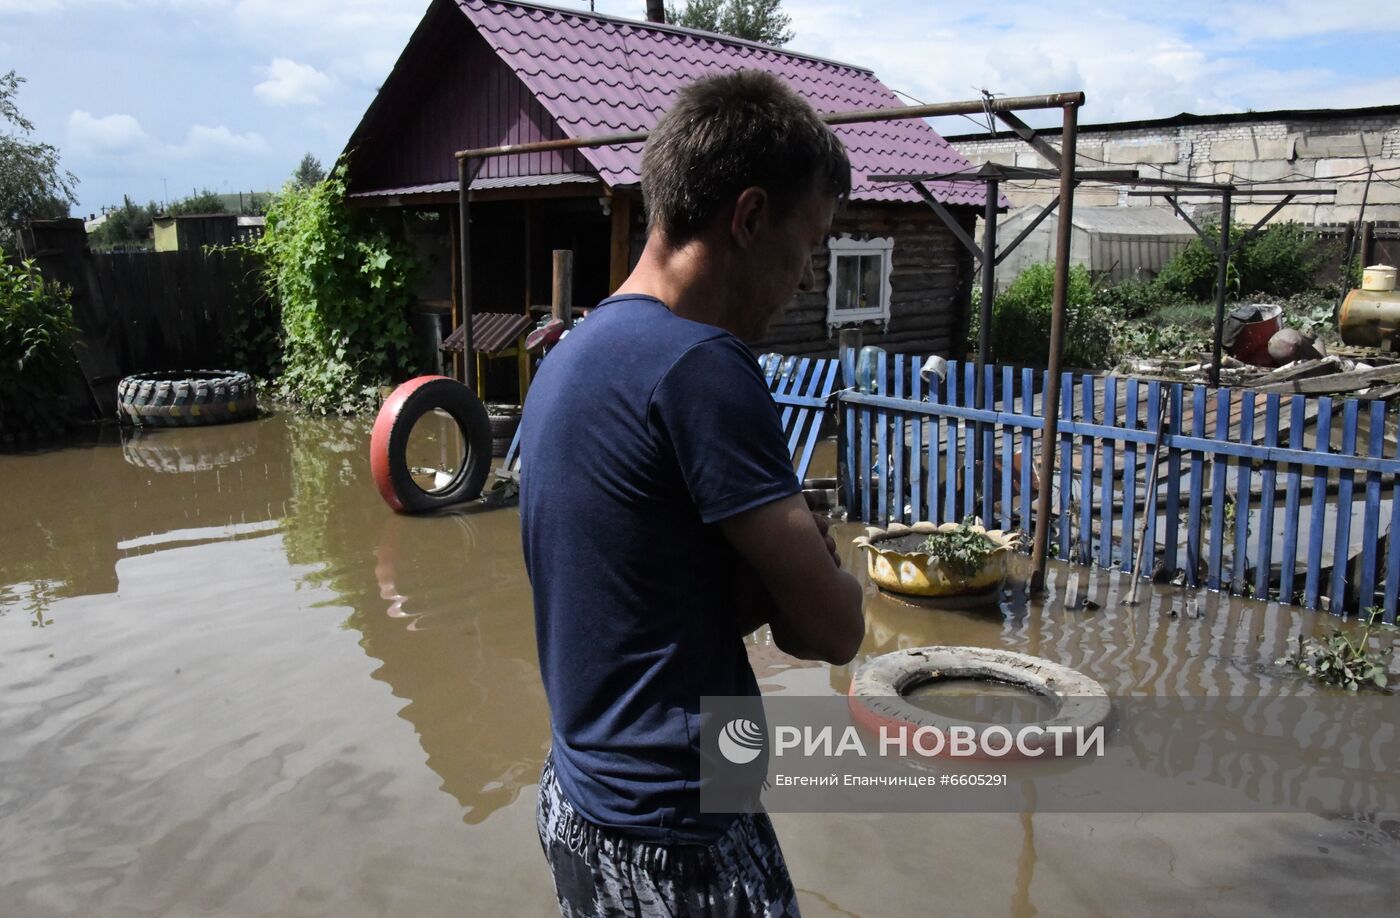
x=155 y=98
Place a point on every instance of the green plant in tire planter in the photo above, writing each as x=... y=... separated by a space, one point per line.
x=343 y=283
x=36 y=340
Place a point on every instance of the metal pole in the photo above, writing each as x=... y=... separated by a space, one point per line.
x=1051 y=404
x=1221 y=274
x=989 y=273
x=981 y=432
x=1009 y=103
x=465 y=236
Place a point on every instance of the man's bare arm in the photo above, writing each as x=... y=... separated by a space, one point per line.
x=816 y=606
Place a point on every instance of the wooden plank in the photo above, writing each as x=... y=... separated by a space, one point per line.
x=1218 y=497
x=1066 y=459
x=1392 y=558
x=897 y=447
x=916 y=443
x=1371 y=522
x=987 y=451
x=1027 y=448
x=790 y=378
x=1289 y=560
x=1243 y=471
x=1338 y=382
x=1264 y=563
x=804 y=461
x=1130 y=467
x=1341 y=546
x=1086 y=475
x=866 y=431
x=1149 y=548
x=882 y=462
x=1106 y=487
x=1313 y=580
x=855 y=474
x=1008 y=443
x=1193 y=511
x=935 y=396
x=971 y=443
x=950 y=463
x=1173 y=517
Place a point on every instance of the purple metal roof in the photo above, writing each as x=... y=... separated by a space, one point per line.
x=598 y=74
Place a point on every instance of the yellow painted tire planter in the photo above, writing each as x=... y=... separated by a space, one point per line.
x=917 y=573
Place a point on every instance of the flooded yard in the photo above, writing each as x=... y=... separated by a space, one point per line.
x=232 y=682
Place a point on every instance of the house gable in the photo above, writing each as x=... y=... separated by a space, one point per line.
x=450 y=91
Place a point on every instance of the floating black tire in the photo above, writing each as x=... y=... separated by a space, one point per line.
x=187 y=398
x=388 y=453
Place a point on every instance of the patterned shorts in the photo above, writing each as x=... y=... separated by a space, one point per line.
x=599 y=873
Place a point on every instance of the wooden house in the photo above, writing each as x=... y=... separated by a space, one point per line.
x=481 y=73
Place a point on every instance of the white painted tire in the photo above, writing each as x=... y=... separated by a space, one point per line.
x=877 y=701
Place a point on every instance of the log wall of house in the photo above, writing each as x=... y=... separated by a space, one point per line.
x=931 y=286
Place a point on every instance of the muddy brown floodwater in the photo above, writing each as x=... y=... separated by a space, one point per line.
x=233 y=683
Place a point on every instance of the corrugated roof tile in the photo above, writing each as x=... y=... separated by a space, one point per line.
x=597 y=74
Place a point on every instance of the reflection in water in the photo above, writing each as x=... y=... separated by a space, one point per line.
x=1021 y=905
x=251 y=660
x=186 y=450
x=457 y=641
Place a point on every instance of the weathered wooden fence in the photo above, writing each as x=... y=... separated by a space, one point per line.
x=1262 y=494
x=177 y=310
x=146 y=311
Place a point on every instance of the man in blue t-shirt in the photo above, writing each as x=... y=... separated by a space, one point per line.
x=661 y=517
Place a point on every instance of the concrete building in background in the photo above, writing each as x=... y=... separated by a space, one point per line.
x=1320 y=148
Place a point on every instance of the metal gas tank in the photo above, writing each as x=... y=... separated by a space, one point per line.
x=1369 y=318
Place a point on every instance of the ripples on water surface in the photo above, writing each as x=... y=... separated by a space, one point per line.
x=232 y=683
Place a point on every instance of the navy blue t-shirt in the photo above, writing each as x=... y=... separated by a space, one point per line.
x=642 y=431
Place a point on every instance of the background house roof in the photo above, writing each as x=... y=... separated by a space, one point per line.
x=598 y=74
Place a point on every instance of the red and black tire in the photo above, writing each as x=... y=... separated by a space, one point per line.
x=389 y=444
x=186 y=398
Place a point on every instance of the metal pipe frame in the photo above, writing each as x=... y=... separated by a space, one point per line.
x=1051 y=403
x=1069 y=104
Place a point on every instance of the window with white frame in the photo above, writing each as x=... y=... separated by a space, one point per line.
x=859 y=289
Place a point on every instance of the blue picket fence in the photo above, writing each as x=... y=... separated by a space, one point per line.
x=1271 y=495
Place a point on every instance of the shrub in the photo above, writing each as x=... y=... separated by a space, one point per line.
x=1131 y=299
x=1281 y=260
x=1021 y=321
x=343 y=284
x=36 y=340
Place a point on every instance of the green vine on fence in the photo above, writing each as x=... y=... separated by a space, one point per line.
x=36 y=344
x=343 y=284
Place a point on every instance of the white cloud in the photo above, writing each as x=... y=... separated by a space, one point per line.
x=119 y=135
x=291 y=83
x=204 y=141
x=109 y=134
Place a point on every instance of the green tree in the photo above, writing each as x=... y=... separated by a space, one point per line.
x=754 y=20
x=126 y=226
x=308 y=172
x=204 y=201
x=32 y=185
